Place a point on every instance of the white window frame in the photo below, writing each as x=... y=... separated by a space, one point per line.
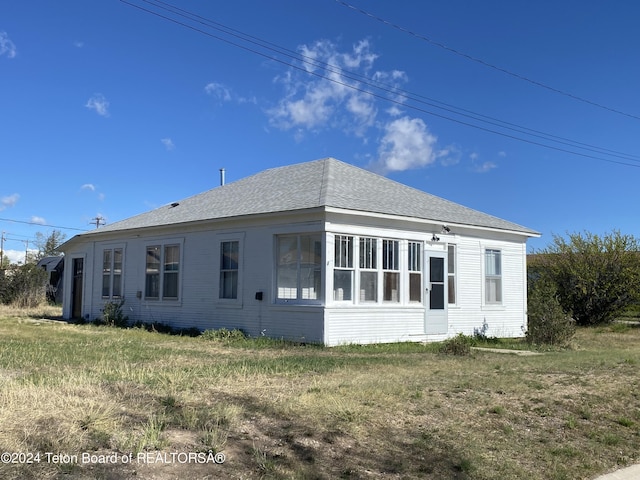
x=163 y=245
x=452 y=275
x=415 y=260
x=368 y=264
x=229 y=269
x=487 y=277
x=343 y=261
x=111 y=272
x=316 y=268
x=390 y=267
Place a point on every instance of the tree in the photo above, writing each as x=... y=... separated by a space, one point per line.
x=48 y=245
x=596 y=277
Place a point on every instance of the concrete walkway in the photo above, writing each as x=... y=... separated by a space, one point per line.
x=506 y=350
x=629 y=473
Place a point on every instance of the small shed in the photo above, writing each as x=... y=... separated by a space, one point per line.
x=54 y=266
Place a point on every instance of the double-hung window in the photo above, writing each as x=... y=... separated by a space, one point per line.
x=299 y=267
x=415 y=271
x=451 y=273
x=390 y=271
x=112 y=273
x=162 y=272
x=368 y=269
x=343 y=268
x=229 y=263
x=492 y=277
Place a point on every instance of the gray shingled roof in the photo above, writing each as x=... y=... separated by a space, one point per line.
x=320 y=183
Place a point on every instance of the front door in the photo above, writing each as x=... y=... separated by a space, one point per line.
x=76 y=288
x=436 y=320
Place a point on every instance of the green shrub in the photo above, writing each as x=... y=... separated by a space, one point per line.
x=548 y=323
x=113 y=315
x=458 y=345
x=597 y=277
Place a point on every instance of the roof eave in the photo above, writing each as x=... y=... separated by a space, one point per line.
x=431 y=221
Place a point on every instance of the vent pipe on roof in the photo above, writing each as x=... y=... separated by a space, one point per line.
x=221 y=176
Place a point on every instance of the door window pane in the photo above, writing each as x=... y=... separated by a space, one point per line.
x=436 y=269
x=436 y=296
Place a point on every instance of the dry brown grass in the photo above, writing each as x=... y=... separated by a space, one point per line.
x=41 y=311
x=283 y=411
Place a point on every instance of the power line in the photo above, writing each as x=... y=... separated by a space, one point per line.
x=386 y=89
x=484 y=62
x=42 y=224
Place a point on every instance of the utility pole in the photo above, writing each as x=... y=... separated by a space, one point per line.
x=2 y=251
x=26 y=251
x=97 y=221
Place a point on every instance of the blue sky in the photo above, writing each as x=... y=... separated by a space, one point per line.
x=108 y=110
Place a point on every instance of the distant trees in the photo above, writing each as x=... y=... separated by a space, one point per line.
x=25 y=285
x=593 y=277
x=48 y=245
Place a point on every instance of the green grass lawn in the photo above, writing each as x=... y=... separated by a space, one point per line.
x=99 y=395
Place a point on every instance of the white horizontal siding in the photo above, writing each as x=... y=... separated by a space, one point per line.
x=470 y=314
x=198 y=305
x=334 y=324
x=373 y=325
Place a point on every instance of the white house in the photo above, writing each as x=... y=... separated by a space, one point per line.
x=318 y=252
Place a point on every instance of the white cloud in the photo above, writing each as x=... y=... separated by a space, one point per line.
x=224 y=94
x=88 y=186
x=502 y=154
x=7 y=47
x=38 y=220
x=406 y=144
x=9 y=201
x=168 y=143
x=218 y=91
x=485 y=167
x=312 y=103
x=15 y=256
x=98 y=103
x=78 y=44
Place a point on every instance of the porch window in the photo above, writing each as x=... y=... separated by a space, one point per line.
x=162 y=272
x=415 y=271
x=451 y=273
x=493 y=276
x=229 y=258
x=390 y=271
x=343 y=268
x=299 y=268
x=112 y=273
x=368 y=269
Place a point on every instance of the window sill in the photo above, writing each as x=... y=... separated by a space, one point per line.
x=496 y=307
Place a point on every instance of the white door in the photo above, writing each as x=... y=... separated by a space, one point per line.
x=436 y=300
